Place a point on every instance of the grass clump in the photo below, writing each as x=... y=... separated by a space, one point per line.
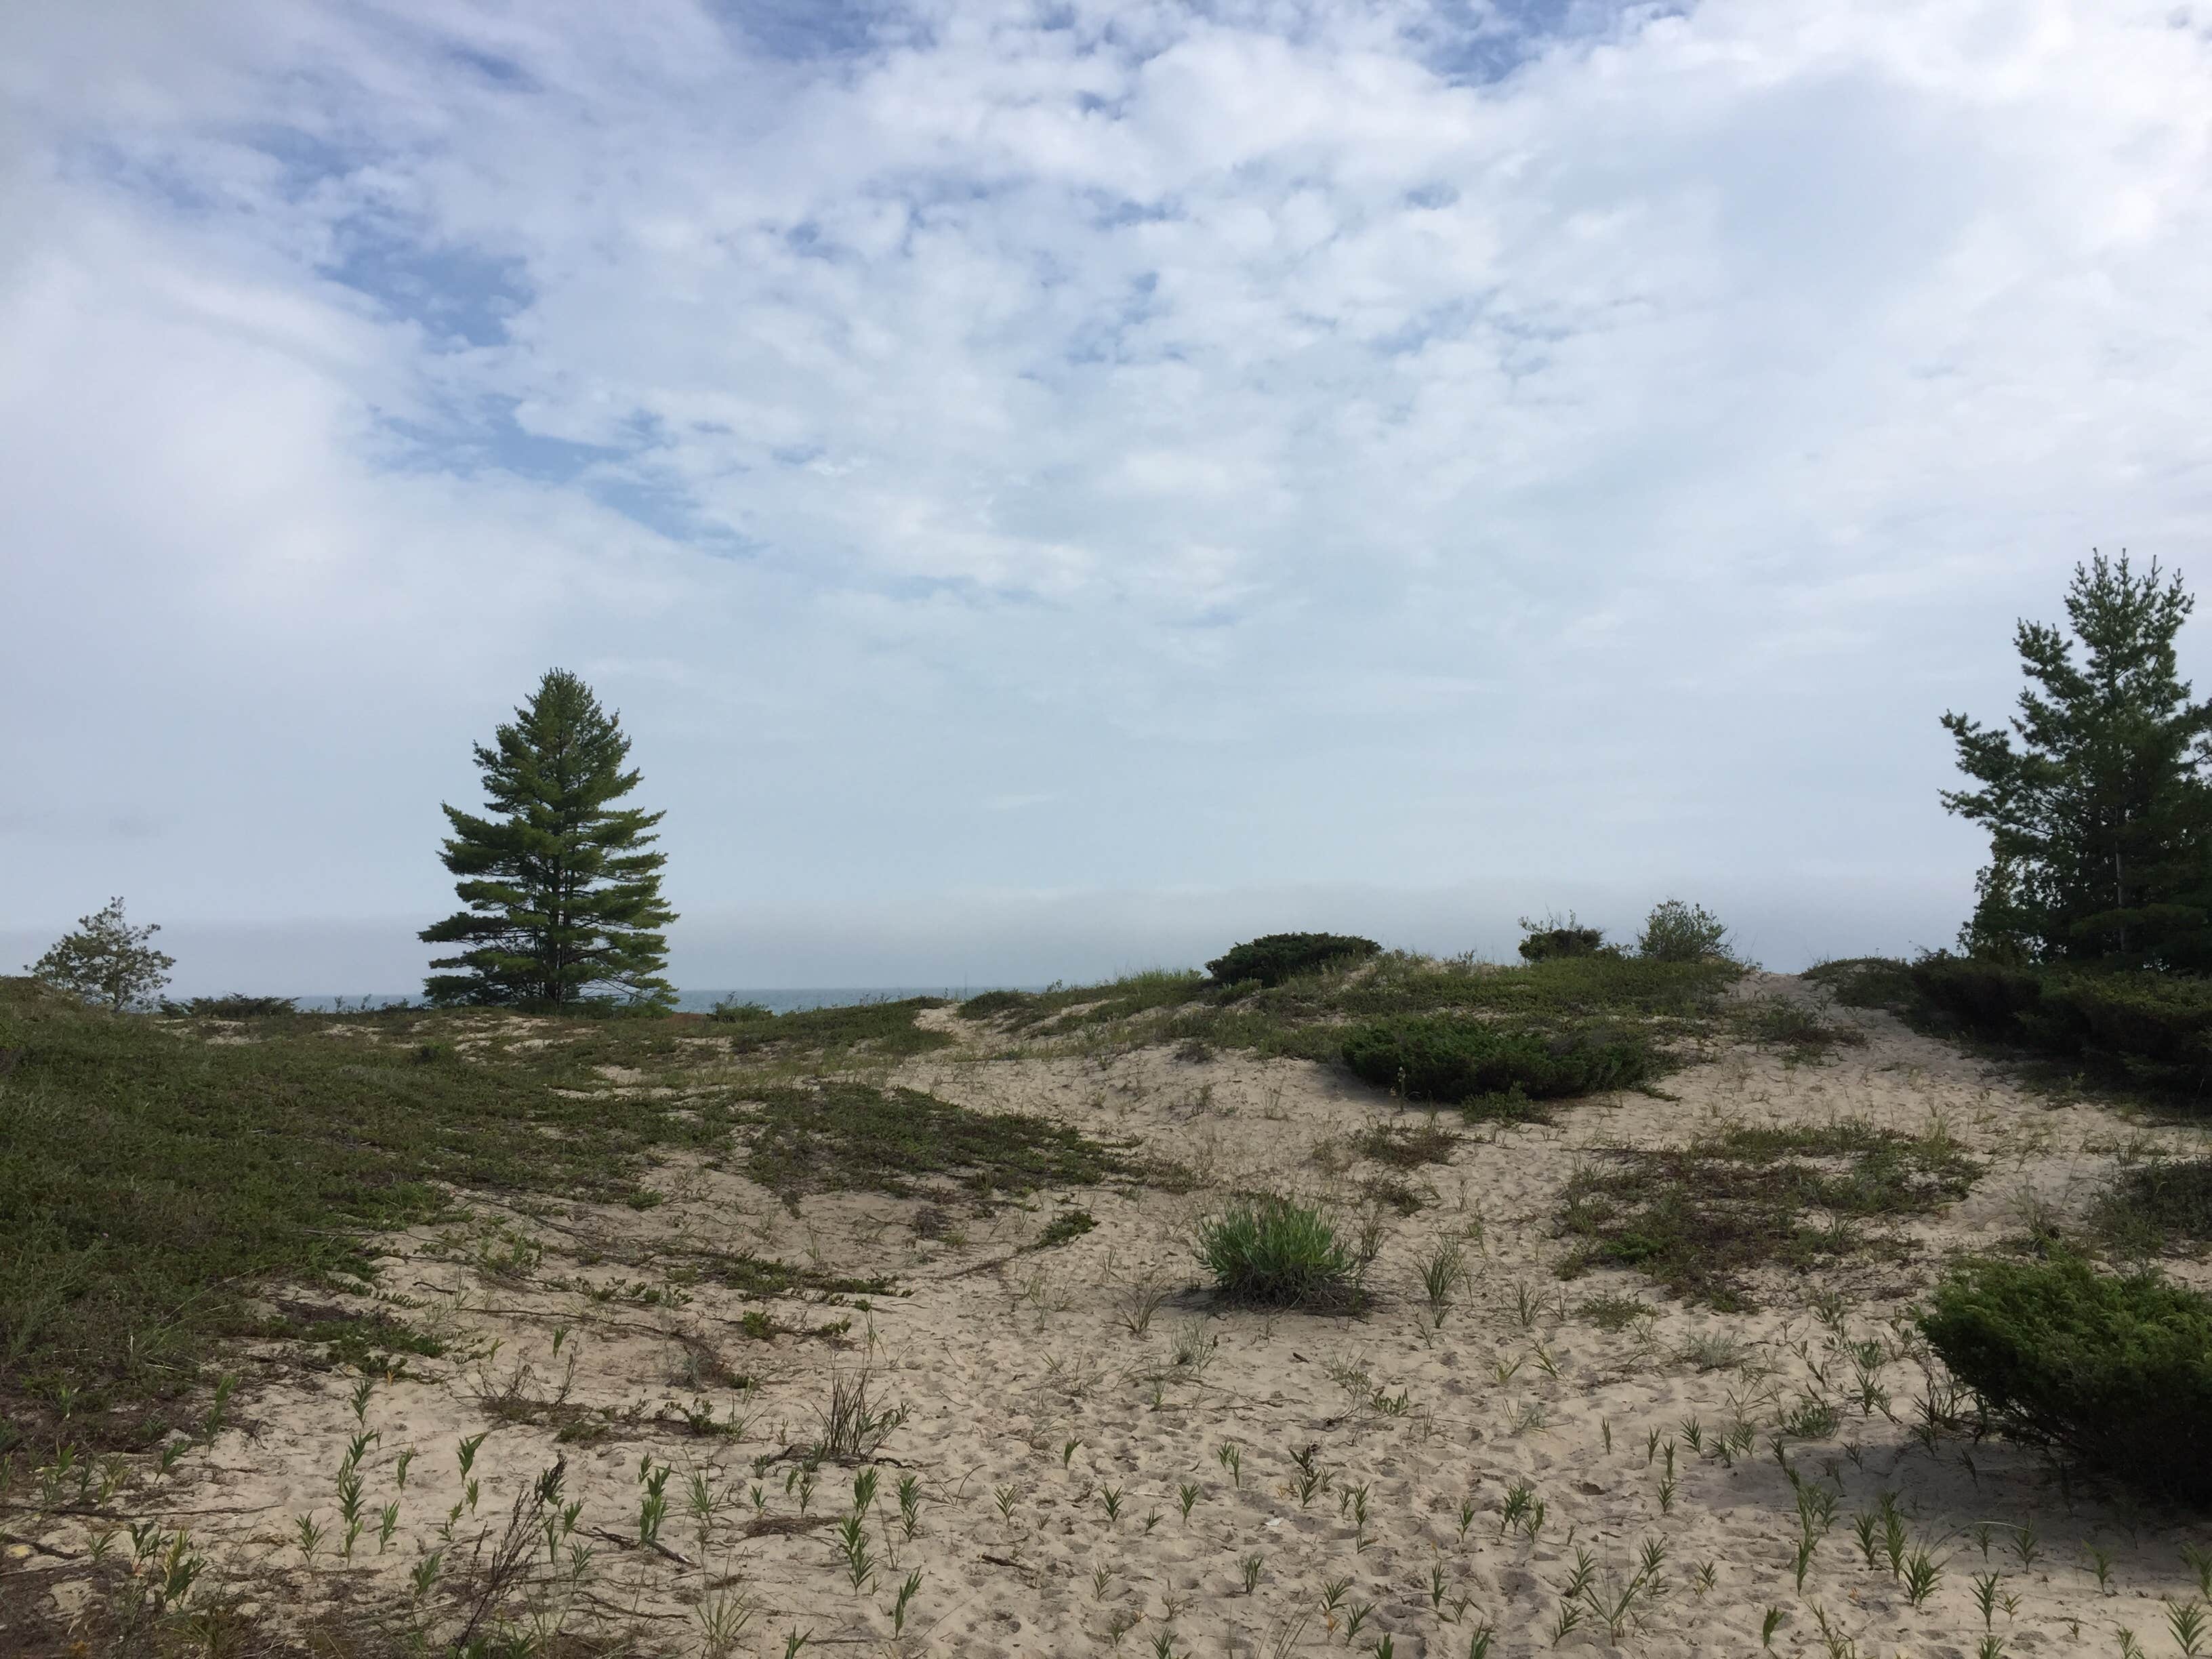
x=1406 y=1146
x=854 y=1137
x=990 y=1004
x=1275 y=957
x=1275 y=1252
x=1695 y=1219
x=1497 y=1069
x=2164 y=1205
x=1776 y=1022
x=2115 y=1369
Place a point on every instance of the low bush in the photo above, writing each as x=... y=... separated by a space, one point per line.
x=1677 y=931
x=1551 y=938
x=1459 y=1062
x=2156 y=1027
x=2163 y=1205
x=2115 y=1369
x=1275 y=1252
x=989 y=1005
x=1275 y=957
x=234 y=1005
x=728 y=1011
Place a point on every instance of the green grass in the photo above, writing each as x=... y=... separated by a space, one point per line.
x=885 y=1030
x=1275 y=1252
x=153 y=1181
x=854 y=1137
x=2160 y=1208
x=1798 y=1031
x=149 y=1179
x=1696 y=1219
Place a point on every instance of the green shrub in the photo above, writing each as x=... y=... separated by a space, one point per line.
x=1278 y=1253
x=1677 y=931
x=2156 y=1027
x=2116 y=1371
x=1278 y=956
x=987 y=1005
x=1987 y=998
x=234 y=1005
x=728 y=1011
x=1551 y=938
x=1432 y=1057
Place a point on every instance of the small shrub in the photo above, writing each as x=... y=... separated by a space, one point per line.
x=728 y=1011
x=236 y=1005
x=1276 y=1252
x=2116 y=1370
x=1987 y=998
x=1551 y=938
x=1677 y=931
x=1430 y=1057
x=989 y=1005
x=1275 y=957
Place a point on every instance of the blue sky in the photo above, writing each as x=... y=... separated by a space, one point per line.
x=1054 y=487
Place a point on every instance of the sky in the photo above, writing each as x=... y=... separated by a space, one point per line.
x=1057 y=488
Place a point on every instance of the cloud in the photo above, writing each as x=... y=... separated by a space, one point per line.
x=1271 y=444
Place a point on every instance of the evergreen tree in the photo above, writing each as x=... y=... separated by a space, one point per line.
x=563 y=898
x=2100 y=819
x=107 y=960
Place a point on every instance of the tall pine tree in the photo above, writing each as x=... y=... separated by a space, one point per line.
x=2100 y=819
x=563 y=898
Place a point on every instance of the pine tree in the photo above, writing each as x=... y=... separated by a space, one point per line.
x=2100 y=820
x=107 y=960
x=563 y=898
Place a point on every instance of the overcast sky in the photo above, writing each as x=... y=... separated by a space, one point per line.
x=1056 y=487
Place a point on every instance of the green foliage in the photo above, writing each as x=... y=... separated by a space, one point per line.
x=1551 y=936
x=1696 y=1219
x=989 y=1005
x=728 y=1011
x=2100 y=819
x=2156 y=1028
x=1275 y=1252
x=884 y=1030
x=151 y=1182
x=2162 y=1205
x=1458 y=1061
x=853 y=1137
x=1275 y=957
x=106 y=960
x=235 y=1005
x=2116 y=1370
x=563 y=899
x=1677 y=931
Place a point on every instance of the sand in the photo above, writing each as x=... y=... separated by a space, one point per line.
x=1106 y=1459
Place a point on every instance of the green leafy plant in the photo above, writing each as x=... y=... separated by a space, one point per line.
x=1274 y=957
x=1677 y=931
x=1276 y=1252
x=2115 y=1368
x=1499 y=1070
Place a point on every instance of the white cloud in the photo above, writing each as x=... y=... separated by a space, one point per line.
x=1262 y=452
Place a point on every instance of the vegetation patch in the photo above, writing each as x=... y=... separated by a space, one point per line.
x=2161 y=1206
x=1800 y=1032
x=2116 y=1371
x=1272 y=1251
x=1275 y=957
x=152 y=1182
x=1065 y=1229
x=1493 y=1069
x=1696 y=1220
x=853 y=1137
x=1407 y=1145
x=886 y=1031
